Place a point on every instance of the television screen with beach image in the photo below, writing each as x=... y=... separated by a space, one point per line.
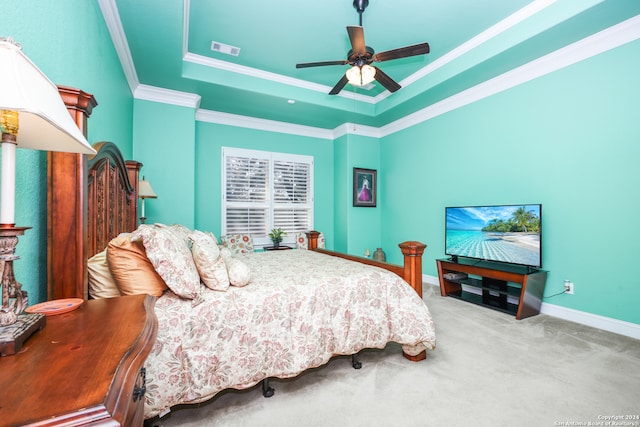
x=505 y=233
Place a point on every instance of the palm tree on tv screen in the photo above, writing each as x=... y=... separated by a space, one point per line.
x=522 y=218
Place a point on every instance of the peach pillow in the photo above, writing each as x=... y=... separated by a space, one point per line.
x=101 y=282
x=210 y=265
x=131 y=269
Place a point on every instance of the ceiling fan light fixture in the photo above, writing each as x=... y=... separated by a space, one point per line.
x=361 y=76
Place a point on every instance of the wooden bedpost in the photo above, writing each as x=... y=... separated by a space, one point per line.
x=312 y=238
x=67 y=208
x=412 y=252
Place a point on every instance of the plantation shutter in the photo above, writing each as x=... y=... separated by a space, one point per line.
x=247 y=185
x=291 y=196
x=265 y=190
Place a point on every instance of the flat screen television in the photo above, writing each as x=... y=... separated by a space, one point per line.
x=502 y=233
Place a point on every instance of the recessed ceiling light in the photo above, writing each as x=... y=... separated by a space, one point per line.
x=225 y=48
x=291 y=101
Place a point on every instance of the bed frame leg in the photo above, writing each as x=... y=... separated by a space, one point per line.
x=266 y=390
x=354 y=361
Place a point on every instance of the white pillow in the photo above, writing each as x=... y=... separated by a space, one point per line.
x=239 y=273
x=210 y=265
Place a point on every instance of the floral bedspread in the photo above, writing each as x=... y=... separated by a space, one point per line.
x=299 y=309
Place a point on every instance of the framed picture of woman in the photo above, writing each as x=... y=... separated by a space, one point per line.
x=364 y=187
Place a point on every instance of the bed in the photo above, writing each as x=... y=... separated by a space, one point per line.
x=281 y=323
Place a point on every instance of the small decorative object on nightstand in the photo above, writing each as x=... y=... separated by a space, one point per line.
x=31 y=106
x=276 y=236
x=379 y=255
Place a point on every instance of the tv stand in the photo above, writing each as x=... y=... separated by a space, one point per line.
x=508 y=288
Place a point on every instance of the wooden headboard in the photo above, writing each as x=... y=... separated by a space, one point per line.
x=90 y=200
x=86 y=214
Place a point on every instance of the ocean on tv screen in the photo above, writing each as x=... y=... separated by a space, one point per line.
x=497 y=233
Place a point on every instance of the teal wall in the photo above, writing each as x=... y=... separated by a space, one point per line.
x=68 y=40
x=165 y=145
x=359 y=226
x=341 y=193
x=212 y=137
x=569 y=140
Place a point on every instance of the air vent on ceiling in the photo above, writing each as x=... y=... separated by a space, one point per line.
x=225 y=48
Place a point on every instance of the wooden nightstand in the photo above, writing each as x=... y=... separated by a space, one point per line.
x=85 y=366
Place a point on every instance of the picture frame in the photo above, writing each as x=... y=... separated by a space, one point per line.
x=365 y=187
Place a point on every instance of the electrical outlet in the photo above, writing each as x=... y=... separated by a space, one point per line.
x=568 y=287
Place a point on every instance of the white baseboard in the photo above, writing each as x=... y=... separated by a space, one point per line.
x=432 y=280
x=605 y=323
x=595 y=321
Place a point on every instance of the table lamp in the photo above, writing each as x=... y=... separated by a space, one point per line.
x=32 y=115
x=145 y=192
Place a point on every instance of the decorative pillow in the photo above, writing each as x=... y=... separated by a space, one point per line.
x=209 y=263
x=238 y=243
x=171 y=258
x=131 y=269
x=321 y=240
x=238 y=270
x=302 y=241
x=101 y=282
x=179 y=230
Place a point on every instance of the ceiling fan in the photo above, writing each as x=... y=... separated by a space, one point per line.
x=361 y=56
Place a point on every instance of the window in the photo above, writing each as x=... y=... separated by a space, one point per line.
x=264 y=190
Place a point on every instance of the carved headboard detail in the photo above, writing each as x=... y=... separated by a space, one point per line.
x=112 y=190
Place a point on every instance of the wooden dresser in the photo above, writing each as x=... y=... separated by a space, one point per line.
x=83 y=367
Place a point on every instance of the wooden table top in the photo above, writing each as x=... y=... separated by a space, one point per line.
x=79 y=365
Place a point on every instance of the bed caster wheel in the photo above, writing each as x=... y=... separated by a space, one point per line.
x=354 y=362
x=266 y=390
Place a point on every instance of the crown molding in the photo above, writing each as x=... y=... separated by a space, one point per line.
x=356 y=129
x=111 y=16
x=166 y=96
x=262 y=124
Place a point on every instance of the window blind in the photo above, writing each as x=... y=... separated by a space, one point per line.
x=265 y=190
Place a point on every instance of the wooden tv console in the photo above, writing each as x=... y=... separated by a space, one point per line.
x=516 y=290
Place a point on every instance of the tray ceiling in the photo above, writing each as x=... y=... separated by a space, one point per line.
x=166 y=46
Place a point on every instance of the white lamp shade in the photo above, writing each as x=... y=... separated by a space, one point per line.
x=145 y=191
x=44 y=122
x=360 y=76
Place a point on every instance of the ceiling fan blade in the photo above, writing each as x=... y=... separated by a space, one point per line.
x=386 y=81
x=321 y=64
x=356 y=35
x=338 y=87
x=403 y=52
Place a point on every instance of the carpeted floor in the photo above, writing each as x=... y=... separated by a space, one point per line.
x=488 y=370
